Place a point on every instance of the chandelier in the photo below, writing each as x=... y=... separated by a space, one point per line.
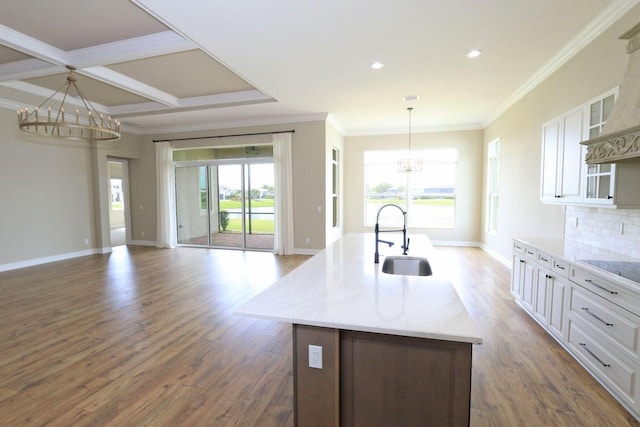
x=52 y=120
x=409 y=164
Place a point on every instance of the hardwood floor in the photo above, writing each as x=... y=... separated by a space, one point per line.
x=145 y=336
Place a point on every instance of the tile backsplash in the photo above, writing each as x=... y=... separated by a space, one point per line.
x=615 y=230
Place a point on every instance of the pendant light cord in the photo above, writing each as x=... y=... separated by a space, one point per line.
x=409 y=109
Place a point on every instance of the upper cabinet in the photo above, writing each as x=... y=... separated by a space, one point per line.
x=562 y=158
x=566 y=178
x=599 y=180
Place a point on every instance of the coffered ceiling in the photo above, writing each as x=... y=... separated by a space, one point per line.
x=163 y=66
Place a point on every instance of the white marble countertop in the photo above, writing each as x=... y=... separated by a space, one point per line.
x=572 y=251
x=342 y=288
x=580 y=254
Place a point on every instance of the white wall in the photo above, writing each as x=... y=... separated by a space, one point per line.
x=48 y=191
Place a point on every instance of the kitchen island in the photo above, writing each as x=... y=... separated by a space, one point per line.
x=396 y=350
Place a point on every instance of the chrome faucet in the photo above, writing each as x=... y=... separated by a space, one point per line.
x=405 y=240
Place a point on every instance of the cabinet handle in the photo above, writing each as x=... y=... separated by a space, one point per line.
x=521 y=260
x=595 y=316
x=557 y=196
x=560 y=267
x=548 y=276
x=606 y=365
x=600 y=287
x=609 y=197
x=544 y=259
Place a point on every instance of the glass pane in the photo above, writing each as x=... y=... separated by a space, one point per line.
x=227 y=230
x=608 y=106
x=191 y=219
x=493 y=212
x=432 y=201
x=428 y=196
x=605 y=168
x=260 y=206
x=604 y=185
x=591 y=187
x=595 y=116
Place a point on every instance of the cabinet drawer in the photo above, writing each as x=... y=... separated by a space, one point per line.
x=560 y=267
x=518 y=247
x=618 y=375
x=531 y=253
x=544 y=260
x=616 y=324
x=607 y=289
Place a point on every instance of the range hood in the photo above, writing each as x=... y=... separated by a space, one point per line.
x=620 y=136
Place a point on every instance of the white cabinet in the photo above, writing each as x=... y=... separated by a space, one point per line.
x=565 y=178
x=562 y=158
x=550 y=294
x=604 y=333
x=523 y=275
x=595 y=317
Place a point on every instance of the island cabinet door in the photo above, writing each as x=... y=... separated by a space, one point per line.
x=387 y=380
x=316 y=390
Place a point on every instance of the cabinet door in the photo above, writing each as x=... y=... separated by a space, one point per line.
x=540 y=302
x=599 y=180
x=517 y=276
x=556 y=300
x=571 y=164
x=528 y=285
x=550 y=161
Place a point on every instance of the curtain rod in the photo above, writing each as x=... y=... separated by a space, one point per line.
x=222 y=136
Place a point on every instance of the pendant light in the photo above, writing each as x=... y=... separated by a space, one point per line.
x=409 y=164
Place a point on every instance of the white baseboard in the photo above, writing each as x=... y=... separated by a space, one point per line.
x=142 y=242
x=46 y=260
x=502 y=260
x=305 y=251
x=454 y=243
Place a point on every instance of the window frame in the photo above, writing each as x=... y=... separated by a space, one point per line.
x=493 y=186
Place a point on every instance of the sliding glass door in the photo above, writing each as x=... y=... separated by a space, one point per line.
x=229 y=205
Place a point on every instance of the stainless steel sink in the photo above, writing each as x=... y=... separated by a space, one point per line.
x=406 y=265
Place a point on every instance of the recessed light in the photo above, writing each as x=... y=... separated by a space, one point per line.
x=377 y=65
x=474 y=53
x=411 y=97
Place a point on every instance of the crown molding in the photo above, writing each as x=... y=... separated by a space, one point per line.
x=277 y=120
x=595 y=28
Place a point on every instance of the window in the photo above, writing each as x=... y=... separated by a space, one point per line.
x=428 y=196
x=202 y=183
x=493 y=170
x=335 y=184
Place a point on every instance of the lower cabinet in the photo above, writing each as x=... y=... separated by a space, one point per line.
x=539 y=284
x=522 y=283
x=550 y=298
x=370 y=379
x=596 y=319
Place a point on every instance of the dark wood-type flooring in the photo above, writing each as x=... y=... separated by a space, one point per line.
x=146 y=336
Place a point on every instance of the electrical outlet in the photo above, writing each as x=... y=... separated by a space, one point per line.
x=315 y=356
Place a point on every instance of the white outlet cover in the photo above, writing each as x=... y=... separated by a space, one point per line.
x=315 y=356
